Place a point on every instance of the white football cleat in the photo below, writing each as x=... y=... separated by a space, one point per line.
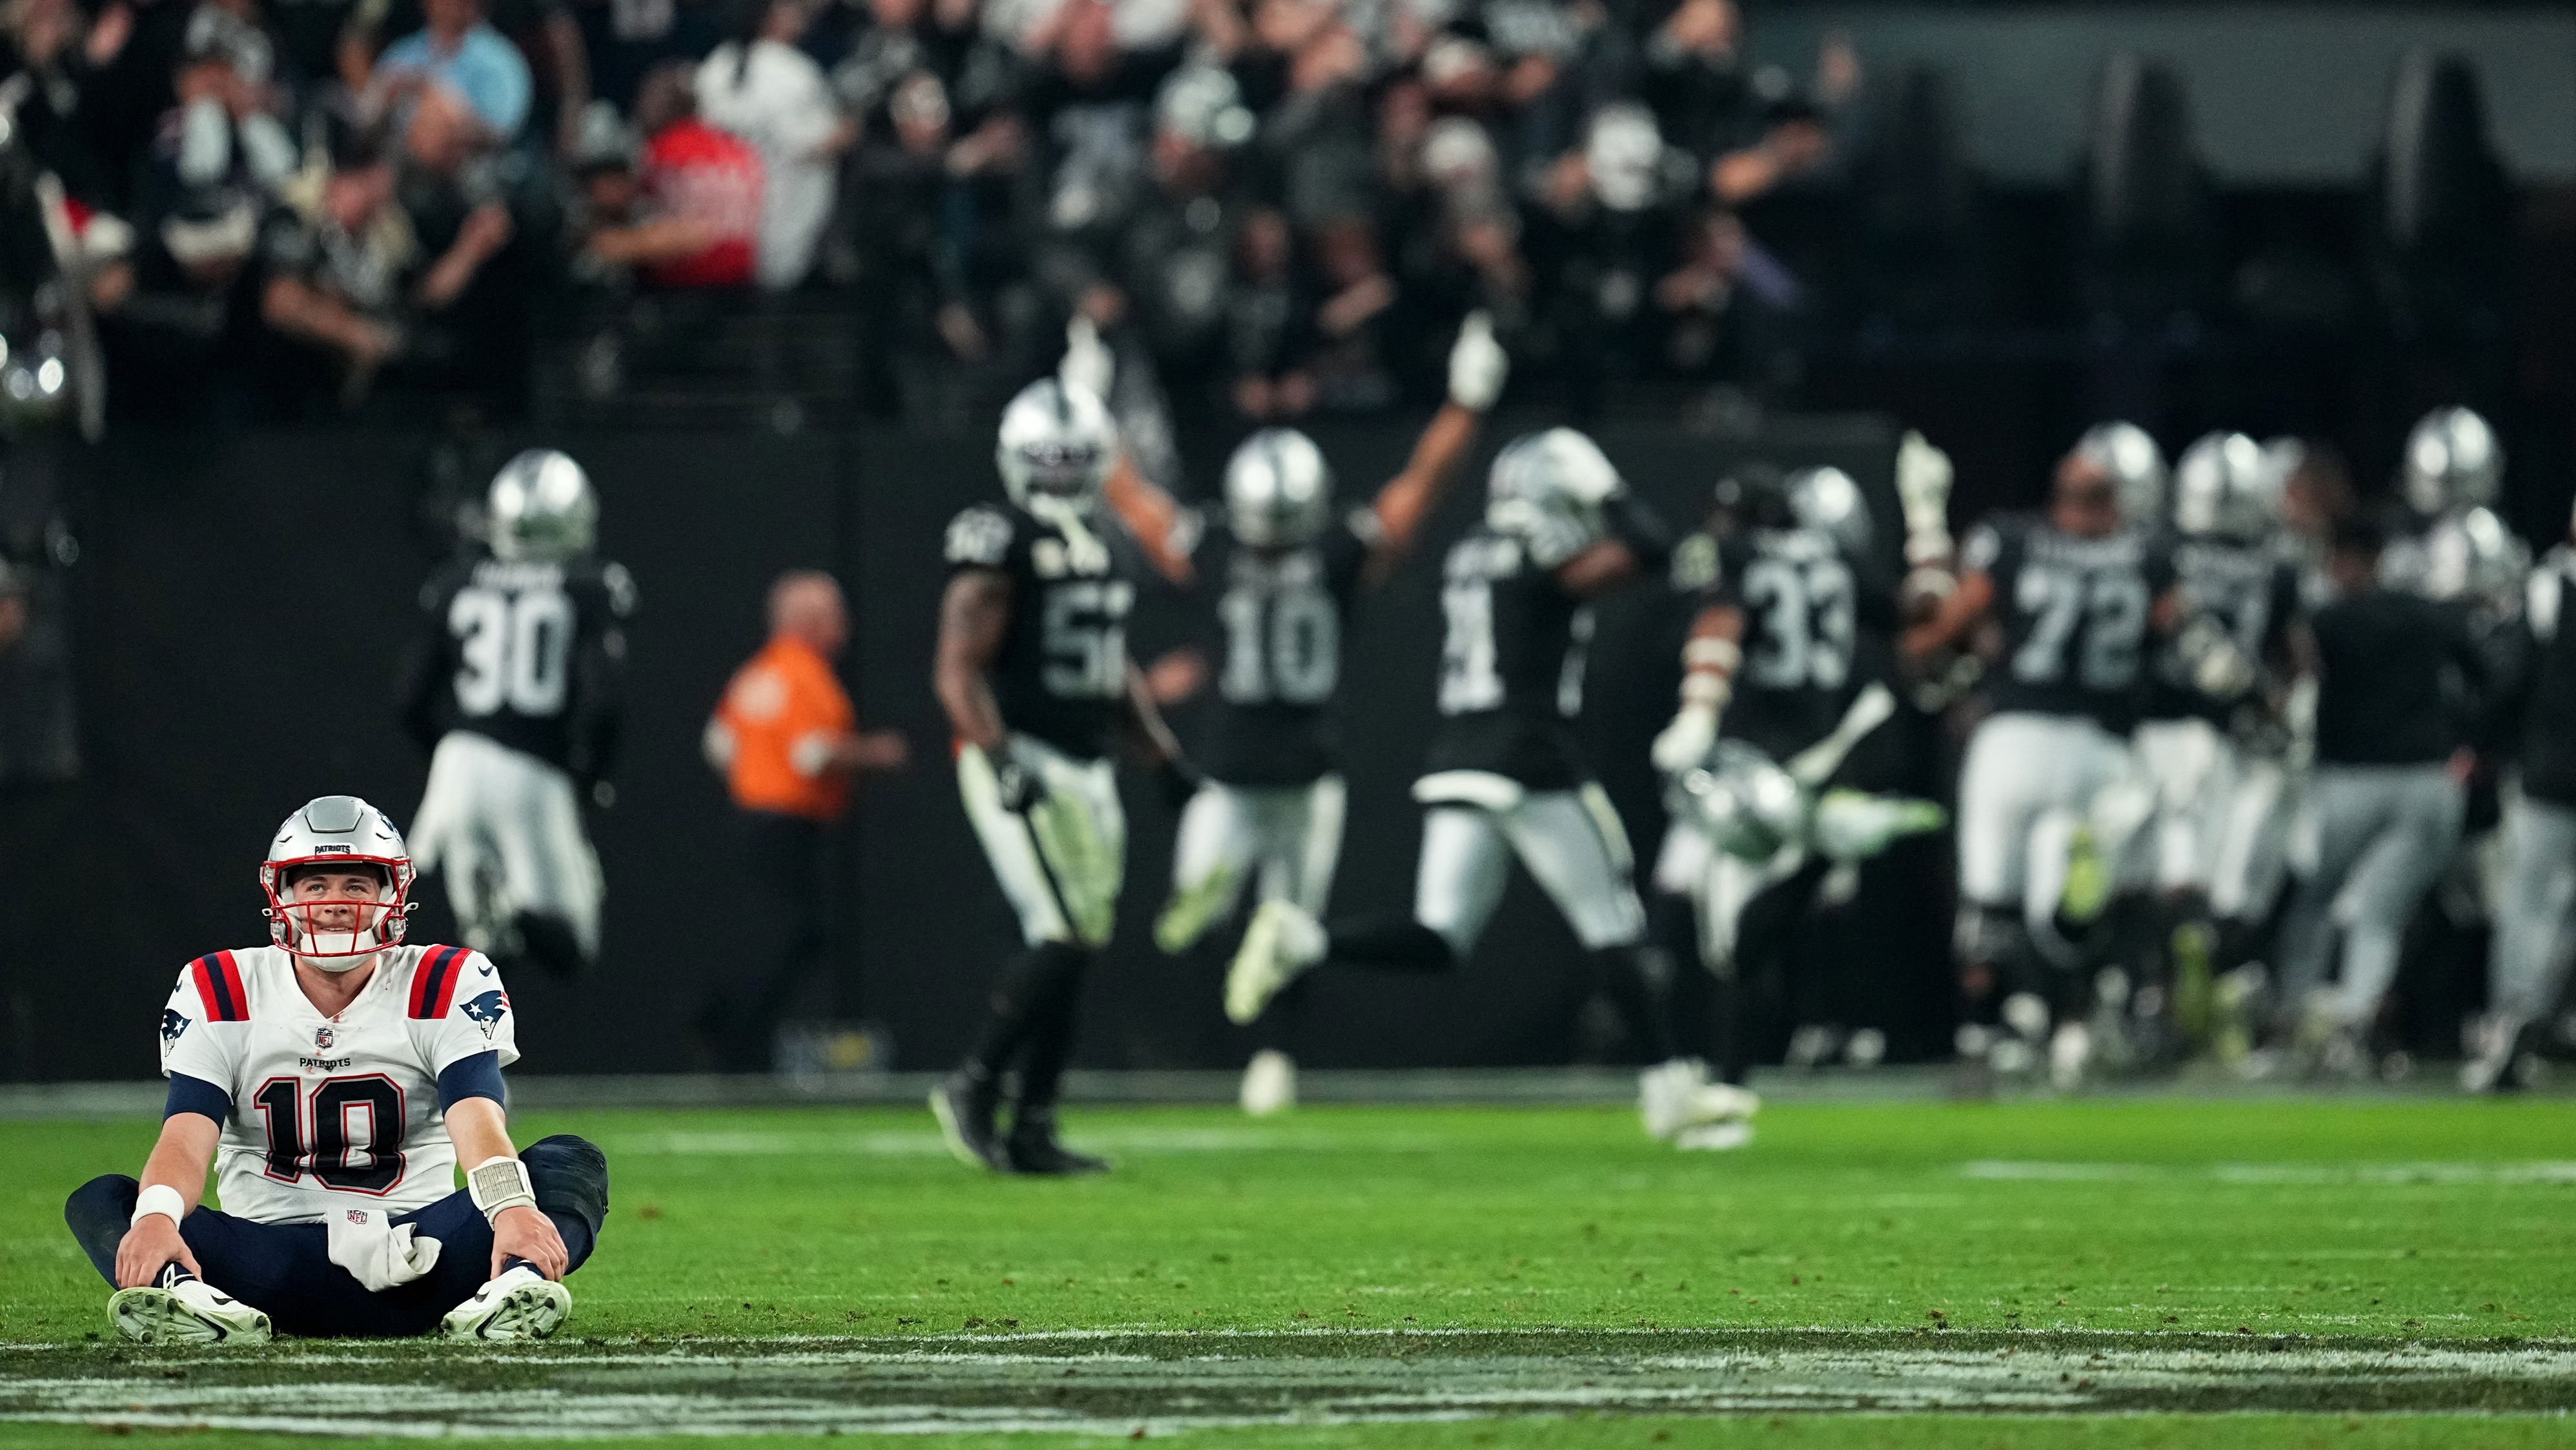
x=1281 y=942
x=522 y=1304
x=1269 y=1083
x=188 y=1311
x=1715 y=1137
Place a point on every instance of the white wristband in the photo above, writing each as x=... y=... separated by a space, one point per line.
x=158 y=1198
x=499 y=1183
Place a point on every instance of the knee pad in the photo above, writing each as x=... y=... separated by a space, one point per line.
x=1991 y=934
x=569 y=1175
x=551 y=943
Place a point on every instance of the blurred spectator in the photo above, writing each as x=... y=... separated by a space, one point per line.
x=685 y=213
x=904 y=39
x=760 y=87
x=1751 y=129
x=339 y=258
x=459 y=49
x=1270 y=323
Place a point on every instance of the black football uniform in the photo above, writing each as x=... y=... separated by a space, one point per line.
x=2075 y=614
x=528 y=654
x=1511 y=665
x=1277 y=649
x=2251 y=591
x=2549 y=704
x=1817 y=629
x=1062 y=672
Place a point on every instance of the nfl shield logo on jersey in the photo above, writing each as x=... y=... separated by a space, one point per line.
x=172 y=1025
x=323 y=1037
x=487 y=1010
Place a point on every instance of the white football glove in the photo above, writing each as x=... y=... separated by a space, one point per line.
x=1478 y=365
x=1687 y=740
x=1087 y=362
x=1923 y=475
x=377 y=1254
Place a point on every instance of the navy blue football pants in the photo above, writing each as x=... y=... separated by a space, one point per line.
x=285 y=1269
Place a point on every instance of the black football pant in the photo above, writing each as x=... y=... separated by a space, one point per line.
x=284 y=1270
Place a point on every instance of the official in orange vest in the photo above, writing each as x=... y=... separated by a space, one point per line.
x=787 y=743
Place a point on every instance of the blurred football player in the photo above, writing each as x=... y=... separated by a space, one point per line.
x=1506 y=776
x=336 y=1079
x=2449 y=544
x=2080 y=595
x=2399 y=679
x=1785 y=662
x=1034 y=674
x=2530 y=950
x=1284 y=567
x=517 y=692
x=2209 y=741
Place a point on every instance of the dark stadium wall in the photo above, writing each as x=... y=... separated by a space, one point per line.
x=242 y=605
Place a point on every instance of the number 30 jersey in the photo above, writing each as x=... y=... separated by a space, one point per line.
x=2075 y=613
x=325 y=1113
x=1062 y=672
x=1280 y=616
x=525 y=653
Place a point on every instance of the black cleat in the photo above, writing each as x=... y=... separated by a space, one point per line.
x=1033 y=1149
x=964 y=1105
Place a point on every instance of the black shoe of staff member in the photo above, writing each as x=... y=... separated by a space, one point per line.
x=1033 y=1149
x=964 y=1105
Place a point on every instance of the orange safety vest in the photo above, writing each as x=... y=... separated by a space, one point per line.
x=786 y=696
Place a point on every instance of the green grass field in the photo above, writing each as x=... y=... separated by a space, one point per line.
x=2096 y=1273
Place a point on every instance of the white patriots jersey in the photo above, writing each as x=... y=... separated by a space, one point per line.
x=331 y=1113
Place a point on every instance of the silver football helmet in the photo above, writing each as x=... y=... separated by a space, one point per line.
x=337 y=833
x=541 y=507
x=1827 y=499
x=2453 y=461
x=1057 y=443
x=1278 y=489
x=1557 y=469
x=2128 y=453
x=2224 y=488
x=1747 y=803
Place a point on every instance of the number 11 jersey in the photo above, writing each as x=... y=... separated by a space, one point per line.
x=325 y=1113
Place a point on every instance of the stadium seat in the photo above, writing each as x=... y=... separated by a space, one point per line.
x=2150 y=238
x=2441 y=222
x=1914 y=210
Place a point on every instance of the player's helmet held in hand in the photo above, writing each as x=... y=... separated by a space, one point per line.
x=2453 y=461
x=541 y=507
x=2225 y=488
x=1827 y=499
x=1057 y=443
x=1749 y=806
x=345 y=834
x=2136 y=466
x=1278 y=489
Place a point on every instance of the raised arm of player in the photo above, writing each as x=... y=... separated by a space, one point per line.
x=973 y=615
x=1957 y=612
x=1709 y=658
x=481 y=1133
x=179 y=1161
x=1478 y=368
x=1157 y=521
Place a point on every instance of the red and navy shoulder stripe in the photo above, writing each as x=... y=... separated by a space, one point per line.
x=219 y=986
x=433 y=982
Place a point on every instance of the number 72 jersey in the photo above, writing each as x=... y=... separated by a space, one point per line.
x=324 y=1113
x=2076 y=615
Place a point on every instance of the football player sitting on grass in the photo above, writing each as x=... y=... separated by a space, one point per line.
x=335 y=1080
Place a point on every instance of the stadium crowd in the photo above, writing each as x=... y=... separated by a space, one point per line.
x=1292 y=200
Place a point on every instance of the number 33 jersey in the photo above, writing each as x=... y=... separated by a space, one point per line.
x=2075 y=613
x=1817 y=620
x=1062 y=671
x=339 y=1112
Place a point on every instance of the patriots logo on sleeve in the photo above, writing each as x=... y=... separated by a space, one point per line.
x=173 y=1027
x=487 y=1011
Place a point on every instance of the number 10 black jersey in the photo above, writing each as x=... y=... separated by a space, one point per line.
x=1277 y=651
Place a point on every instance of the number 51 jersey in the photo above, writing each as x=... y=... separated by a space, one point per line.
x=338 y=1112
